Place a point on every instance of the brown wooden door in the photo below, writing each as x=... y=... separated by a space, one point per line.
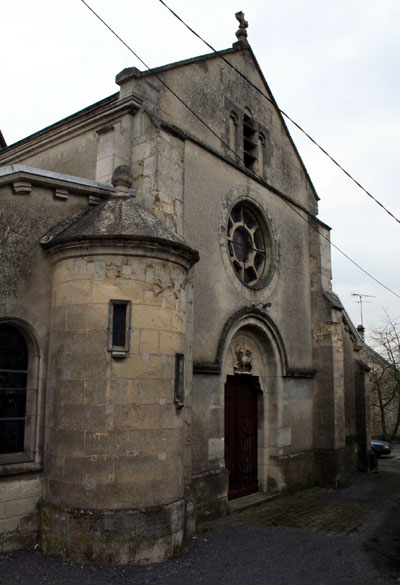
x=241 y=435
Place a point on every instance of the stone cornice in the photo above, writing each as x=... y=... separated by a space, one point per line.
x=174 y=252
x=91 y=118
x=17 y=173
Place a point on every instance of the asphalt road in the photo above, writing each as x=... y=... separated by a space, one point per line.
x=382 y=544
x=242 y=552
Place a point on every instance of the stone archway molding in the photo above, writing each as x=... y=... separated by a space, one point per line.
x=231 y=326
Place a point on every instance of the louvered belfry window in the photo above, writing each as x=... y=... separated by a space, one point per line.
x=250 y=142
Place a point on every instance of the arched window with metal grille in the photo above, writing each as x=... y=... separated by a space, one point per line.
x=18 y=394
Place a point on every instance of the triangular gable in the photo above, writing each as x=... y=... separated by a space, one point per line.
x=133 y=72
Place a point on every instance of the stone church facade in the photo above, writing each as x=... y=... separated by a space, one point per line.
x=169 y=338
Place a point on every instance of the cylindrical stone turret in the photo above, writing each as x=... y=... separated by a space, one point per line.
x=114 y=462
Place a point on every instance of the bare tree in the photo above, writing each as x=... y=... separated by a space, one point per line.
x=384 y=362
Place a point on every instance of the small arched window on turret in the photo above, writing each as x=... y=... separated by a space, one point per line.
x=233 y=128
x=250 y=142
x=119 y=328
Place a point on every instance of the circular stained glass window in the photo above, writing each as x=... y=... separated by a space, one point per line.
x=249 y=244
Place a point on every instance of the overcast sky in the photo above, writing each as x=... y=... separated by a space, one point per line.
x=332 y=65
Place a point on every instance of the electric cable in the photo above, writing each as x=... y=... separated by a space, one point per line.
x=225 y=144
x=281 y=111
x=161 y=80
x=346 y=255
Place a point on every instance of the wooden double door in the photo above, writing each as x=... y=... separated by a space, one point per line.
x=241 y=397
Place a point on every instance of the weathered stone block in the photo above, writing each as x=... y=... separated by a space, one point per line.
x=69 y=392
x=149 y=442
x=19 y=541
x=121 y=391
x=171 y=343
x=111 y=443
x=126 y=416
x=8 y=525
x=210 y=491
x=59 y=318
x=216 y=448
x=55 y=465
x=149 y=341
x=284 y=437
x=10 y=490
x=151 y=368
x=95 y=391
x=177 y=322
x=21 y=506
x=138 y=469
x=88 y=417
x=150 y=165
x=170 y=417
x=152 y=318
x=96 y=342
x=29 y=523
x=72 y=292
x=127 y=290
x=60 y=442
x=76 y=317
x=168 y=363
x=113 y=536
x=96 y=467
x=141 y=151
x=174 y=468
x=150 y=391
x=171 y=148
x=122 y=369
x=162 y=491
x=99 y=365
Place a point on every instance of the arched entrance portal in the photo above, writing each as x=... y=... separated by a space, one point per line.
x=253 y=358
x=241 y=429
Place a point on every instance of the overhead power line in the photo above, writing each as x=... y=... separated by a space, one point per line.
x=160 y=79
x=228 y=146
x=321 y=148
x=345 y=255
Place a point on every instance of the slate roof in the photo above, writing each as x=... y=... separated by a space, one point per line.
x=120 y=217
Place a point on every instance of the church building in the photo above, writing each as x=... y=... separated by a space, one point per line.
x=169 y=338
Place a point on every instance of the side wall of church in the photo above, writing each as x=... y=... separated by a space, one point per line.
x=75 y=155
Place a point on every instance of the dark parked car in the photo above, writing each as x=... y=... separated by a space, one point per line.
x=381 y=447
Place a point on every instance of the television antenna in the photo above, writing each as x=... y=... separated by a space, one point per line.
x=360 y=302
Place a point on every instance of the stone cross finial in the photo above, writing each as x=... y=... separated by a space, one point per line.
x=241 y=33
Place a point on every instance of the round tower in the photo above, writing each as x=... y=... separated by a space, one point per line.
x=116 y=442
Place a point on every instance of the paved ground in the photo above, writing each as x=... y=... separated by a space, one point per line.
x=316 y=537
x=318 y=509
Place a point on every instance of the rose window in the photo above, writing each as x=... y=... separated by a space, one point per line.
x=247 y=243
